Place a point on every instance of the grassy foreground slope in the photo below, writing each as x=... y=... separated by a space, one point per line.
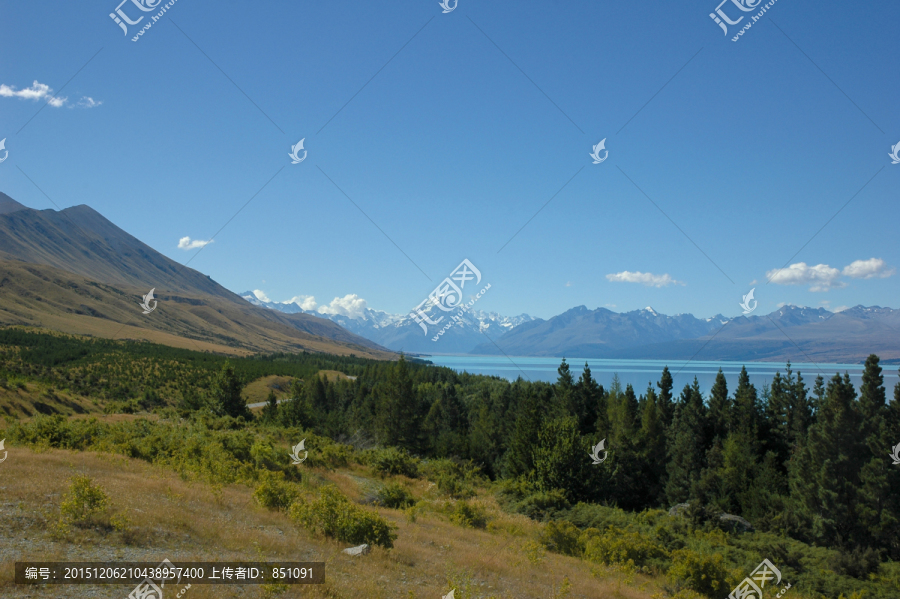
x=193 y=521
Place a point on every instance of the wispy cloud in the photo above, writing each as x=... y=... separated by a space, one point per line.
x=823 y=277
x=42 y=91
x=87 y=102
x=644 y=278
x=261 y=295
x=185 y=243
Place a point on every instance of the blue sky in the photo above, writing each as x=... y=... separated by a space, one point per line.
x=746 y=149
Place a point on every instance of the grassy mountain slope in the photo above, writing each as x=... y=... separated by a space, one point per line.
x=74 y=271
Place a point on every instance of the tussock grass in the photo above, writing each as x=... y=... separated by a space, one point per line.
x=182 y=520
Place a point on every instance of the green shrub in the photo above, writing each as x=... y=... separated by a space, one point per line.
x=335 y=516
x=703 y=573
x=83 y=501
x=337 y=455
x=391 y=460
x=452 y=477
x=394 y=496
x=563 y=537
x=265 y=456
x=274 y=492
x=617 y=546
x=542 y=504
x=857 y=563
x=469 y=515
x=455 y=487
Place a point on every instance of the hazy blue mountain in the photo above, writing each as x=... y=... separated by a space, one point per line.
x=797 y=333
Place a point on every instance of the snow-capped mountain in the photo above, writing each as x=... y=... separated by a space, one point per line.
x=791 y=332
x=401 y=332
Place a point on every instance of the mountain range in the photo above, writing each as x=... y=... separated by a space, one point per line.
x=74 y=271
x=799 y=334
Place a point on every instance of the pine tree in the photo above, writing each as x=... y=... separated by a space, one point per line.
x=893 y=427
x=270 y=410
x=398 y=414
x=777 y=431
x=445 y=426
x=519 y=457
x=486 y=439
x=318 y=394
x=746 y=412
x=875 y=501
x=561 y=460
x=801 y=409
x=564 y=390
x=623 y=413
x=719 y=408
x=587 y=396
x=825 y=476
x=709 y=488
x=298 y=410
x=686 y=444
x=652 y=451
x=819 y=394
x=666 y=405
x=225 y=394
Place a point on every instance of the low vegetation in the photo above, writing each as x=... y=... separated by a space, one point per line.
x=403 y=447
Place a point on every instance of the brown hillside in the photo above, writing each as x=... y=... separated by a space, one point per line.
x=75 y=271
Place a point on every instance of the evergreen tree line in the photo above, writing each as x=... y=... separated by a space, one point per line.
x=810 y=463
x=148 y=372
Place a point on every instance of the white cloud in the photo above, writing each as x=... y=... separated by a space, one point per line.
x=868 y=269
x=307 y=302
x=644 y=278
x=821 y=276
x=841 y=309
x=569 y=284
x=37 y=91
x=87 y=102
x=261 y=295
x=185 y=243
x=41 y=91
x=351 y=305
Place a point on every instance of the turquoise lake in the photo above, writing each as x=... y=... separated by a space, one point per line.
x=639 y=372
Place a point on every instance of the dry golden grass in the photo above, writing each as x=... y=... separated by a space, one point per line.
x=333 y=375
x=39 y=398
x=182 y=521
x=37 y=295
x=258 y=390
